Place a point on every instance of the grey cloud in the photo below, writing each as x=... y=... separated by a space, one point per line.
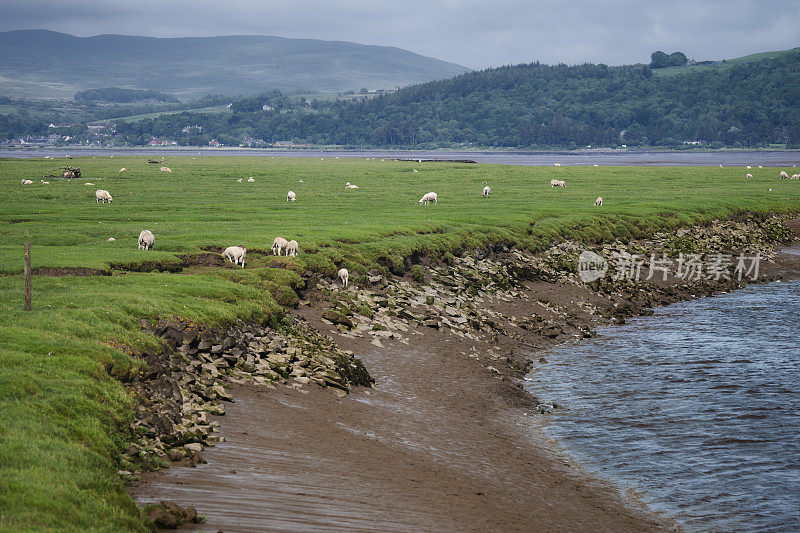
x=473 y=33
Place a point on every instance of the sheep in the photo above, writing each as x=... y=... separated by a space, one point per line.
x=292 y=248
x=103 y=195
x=89 y=184
x=760 y=166
x=290 y=196
x=749 y=167
x=239 y=180
x=428 y=198
x=45 y=182
x=749 y=176
x=784 y=175
x=27 y=182
x=596 y=165
x=558 y=183
x=146 y=240
x=795 y=177
x=166 y=169
x=599 y=201
x=123 y=169
x=349 y=185
x=111 y=239
x=344 y=275
x=251 y=179
x=556 y=164
x=235 y=254
x=415 y=170
x=279 y=244
x=486 y=191
x=720 y=166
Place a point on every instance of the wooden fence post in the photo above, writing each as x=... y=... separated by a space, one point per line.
x=27 y=276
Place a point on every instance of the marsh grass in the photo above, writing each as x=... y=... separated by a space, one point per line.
x=61 y=408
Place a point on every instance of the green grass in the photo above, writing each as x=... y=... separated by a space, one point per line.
x=60 y=408
x=719 y=65
x=156 y=114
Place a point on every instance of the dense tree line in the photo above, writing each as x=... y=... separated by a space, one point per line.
x=526 y=106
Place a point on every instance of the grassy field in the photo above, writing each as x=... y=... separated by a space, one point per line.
x=61 y=409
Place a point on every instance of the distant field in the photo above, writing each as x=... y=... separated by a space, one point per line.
x=60 y=409
x=719 y=65
x=136 y=118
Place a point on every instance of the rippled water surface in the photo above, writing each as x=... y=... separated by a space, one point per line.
x=697 y=407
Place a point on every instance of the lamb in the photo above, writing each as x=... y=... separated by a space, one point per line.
x=279 y=244
x=45 y=182
x=795 y=177
x=146 y=240
x=760 y=166
x=784 y=175
x=344 y=275
x=103 y=195
x=290 y=196
x=292 y=248
x=749 y=176
x=415 y=170
x=235 y=254
x=749 y=167
x=556 y=164
x=558 y=183
x=111 y=239
x=251 y=179
x=428 y=198
x=596 y=165
x=166 y=169
x=348 y=185
x=123 y=169
x=599 y=201
x=486 y=191
x=27 y=182
x=89 y=184
x=239 y=180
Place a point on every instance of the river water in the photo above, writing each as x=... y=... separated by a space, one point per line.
x=529 y=158
x=695 y=409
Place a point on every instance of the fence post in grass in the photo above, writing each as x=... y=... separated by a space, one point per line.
x=27 y=276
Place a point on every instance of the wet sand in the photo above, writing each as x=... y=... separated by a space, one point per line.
x=435 y=446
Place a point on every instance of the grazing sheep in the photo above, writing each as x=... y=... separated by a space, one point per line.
x=90 y=184
x=749 y=167
x=556 y=164
x=599 y=201
x=239 y=180
x=166 y=169
x=292 y=248
x=415 y=170
x=27 y=182
x=720 y=166
x=428 y=198
x=558 y=183
x=749 y=176
x=45 y=182
x=111 y=239
x=290 y=196
x=784 y=175
x=279 y=244
x=123 y=169
x=349 y=185
x=235 y=254
x=103 y=195
x=596 y=165
x=146 y=240
x=251 y=179
x=795 y=177
x=344 y=275
x=486 y=191
x=760 y=166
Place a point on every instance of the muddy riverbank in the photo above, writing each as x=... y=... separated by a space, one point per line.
x=446 y=439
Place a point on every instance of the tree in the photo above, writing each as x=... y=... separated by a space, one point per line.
x=659 y=60
x=677 y=59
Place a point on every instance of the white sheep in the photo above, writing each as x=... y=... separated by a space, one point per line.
x=596 y=165
x=292 y=248
x=558 y=183
x=103 y=195
x=166 y=169
x=349 y=185
x=111 y=239
x=795 y=177
x=45 y=182
x=599 y=201
x=344 y=275
x=235 y=254
x=486 y=191
x=27 y=182
x=749 y=176
x=415 y=170
x=123 y=169
x=784 y=175
x=291 y=196
x=279 y=244
x=749 y=167
x=251 y=179
x=556 y=164
x=146 y=240
x=89 y=184
x=428 y=198
x=760 y=166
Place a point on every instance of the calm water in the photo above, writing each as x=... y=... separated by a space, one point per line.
x=696 y=407
x=631 y=157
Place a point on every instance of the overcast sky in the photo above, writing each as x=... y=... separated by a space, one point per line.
x=472 y=33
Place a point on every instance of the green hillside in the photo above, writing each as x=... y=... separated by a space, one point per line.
x=47 y=64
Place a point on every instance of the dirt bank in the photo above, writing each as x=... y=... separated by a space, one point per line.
x=446 y=440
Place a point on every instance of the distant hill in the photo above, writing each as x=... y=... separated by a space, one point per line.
x=47 y=64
